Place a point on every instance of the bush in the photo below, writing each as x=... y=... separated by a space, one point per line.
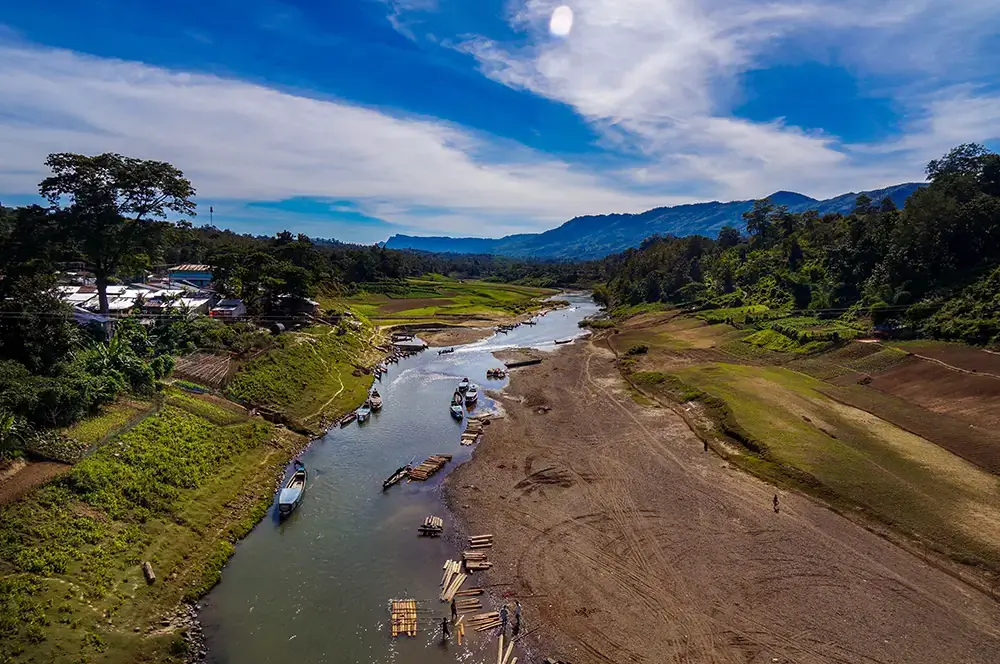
x=638 y=349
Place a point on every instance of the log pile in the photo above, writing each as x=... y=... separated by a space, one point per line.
x=452 y=580
x=432 y=526
x=474 y=431
x=467 y=604
x=430 y=465
x=476 y=561
x=404 y=617
x=485 y=621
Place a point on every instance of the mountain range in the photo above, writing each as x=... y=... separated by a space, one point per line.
x=596 y=236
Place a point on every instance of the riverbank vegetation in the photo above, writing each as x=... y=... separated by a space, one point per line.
x=436 y=297
x=178 y=487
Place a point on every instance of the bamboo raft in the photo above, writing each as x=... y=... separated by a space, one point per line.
x=404 y=617
x=430 y=465
x=432 y=526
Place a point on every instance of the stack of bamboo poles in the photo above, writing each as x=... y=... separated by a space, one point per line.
x=485 y=621
x=467 y=604
x=430 y=465
x=404 y=617
x=452 y=580
x=476 y=561
x=481 y=542
x=460 y=630
x=433 y=525
x=473 y=432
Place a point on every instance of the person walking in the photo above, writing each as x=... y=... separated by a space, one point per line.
x=454 y=611
x=503 y=619
x=445 y=629
x=517 y=619
x=775 y=503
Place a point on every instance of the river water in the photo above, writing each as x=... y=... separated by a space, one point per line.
x=316 y=587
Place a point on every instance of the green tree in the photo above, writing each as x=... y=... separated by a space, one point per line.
x=114 y=203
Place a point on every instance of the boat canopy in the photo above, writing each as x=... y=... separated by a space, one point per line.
x=289 y=496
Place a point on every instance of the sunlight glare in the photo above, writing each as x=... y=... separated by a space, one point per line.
x=561 y=22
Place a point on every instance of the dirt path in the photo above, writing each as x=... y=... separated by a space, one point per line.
x=25 y=475
x=646 y=549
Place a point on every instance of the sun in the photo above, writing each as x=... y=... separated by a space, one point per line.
x=561 y=22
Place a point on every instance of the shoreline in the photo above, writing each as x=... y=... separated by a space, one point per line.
x=618 y=532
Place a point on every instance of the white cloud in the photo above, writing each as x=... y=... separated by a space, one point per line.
x=241 y=141
x=656 y=76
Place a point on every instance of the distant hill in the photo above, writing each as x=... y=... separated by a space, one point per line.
x=596 y=236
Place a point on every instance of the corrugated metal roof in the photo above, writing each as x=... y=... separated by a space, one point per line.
x=191 y=267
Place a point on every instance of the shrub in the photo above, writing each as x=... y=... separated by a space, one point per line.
x=638 y=349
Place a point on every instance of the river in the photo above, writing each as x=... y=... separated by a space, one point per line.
x=316 y=587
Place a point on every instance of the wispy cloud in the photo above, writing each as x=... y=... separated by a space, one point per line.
x=656 y=76
x=241 y=141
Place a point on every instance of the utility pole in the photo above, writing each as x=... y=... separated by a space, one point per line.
x=211 y=215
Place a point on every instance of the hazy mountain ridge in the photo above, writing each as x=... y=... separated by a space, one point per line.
x=596 y=236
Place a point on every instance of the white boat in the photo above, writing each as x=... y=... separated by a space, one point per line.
x=471 y=394
x=364 y=413
x=464 y=385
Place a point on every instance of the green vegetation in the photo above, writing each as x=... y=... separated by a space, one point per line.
x=176 y=490
x=112 y=419
x=853 y=457
x=420 y=299
x=932 y=268
x=310 y=374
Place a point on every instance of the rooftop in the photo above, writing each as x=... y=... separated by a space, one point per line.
x=191 y=267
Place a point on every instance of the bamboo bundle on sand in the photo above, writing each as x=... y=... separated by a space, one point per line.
x=449 y=592
x=469 y=592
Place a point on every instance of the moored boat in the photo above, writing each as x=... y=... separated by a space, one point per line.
x=456 y=398
x=564 y=341
x=347 y=419
x=397 y=476
x=472 y=394
x=291 y=494
x=445 y=351
x=456 y=411
x=375 y=400
x=463 y=385
x=495 y=373
x=364 y=413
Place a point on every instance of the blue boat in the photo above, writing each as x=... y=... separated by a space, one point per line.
x=364 y=413
x=456 y=412
x=291 y=494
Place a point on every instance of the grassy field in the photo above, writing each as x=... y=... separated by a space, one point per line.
x=903 y=479
x=425 y=299
x=176 y=490
x=111 y=420
x=810 y=420
x=311 y=374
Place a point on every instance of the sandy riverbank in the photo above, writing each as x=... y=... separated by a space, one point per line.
x=629 y=543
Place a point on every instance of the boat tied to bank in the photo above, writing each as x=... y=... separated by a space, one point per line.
x=471 y=395
x=463 y=385
x=291 y=494
x=364 y=413
x=375 y=400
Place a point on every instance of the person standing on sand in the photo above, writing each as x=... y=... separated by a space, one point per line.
x=454 y=611
x=775 y=503
x=503 y=619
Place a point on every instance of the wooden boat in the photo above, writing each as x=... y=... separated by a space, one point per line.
x=397 y=476
x=444 y=351
x=347 y=419
x=472 y=394
x=364 y=413
x=495 y=373
x=456 y=398
x=456 y=411
x=291 y=494
x=375 y=400
x=564 y=341
x=464 y=385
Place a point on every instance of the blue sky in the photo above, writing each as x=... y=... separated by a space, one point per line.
x=358 y=119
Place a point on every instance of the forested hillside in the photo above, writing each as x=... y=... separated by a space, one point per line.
x=932 y=268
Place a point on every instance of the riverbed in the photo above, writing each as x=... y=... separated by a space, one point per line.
x=316 y=587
